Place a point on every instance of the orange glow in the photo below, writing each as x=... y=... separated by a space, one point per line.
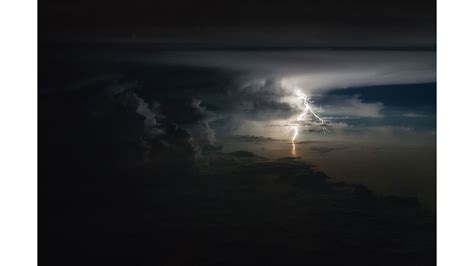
x=293 y=151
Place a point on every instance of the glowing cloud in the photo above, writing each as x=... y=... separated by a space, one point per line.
x=303 y=116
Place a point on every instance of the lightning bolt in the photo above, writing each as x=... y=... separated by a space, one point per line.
x=295 y=133
x=307 y=108
x=301 y=117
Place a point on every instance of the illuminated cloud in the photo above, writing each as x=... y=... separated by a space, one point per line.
x=350 y=106
x=318 y=70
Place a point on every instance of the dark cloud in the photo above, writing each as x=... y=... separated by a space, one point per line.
x=124 y=127
x=323 y=151
x=230 y=209
x=246 y=138
x=185 y=110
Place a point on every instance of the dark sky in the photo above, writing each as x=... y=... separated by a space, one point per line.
x=336 y=23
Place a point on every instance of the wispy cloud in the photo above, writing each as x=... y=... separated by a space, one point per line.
x=414 y=115
x=350 y=106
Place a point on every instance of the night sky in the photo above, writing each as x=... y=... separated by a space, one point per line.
x=166 y=127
